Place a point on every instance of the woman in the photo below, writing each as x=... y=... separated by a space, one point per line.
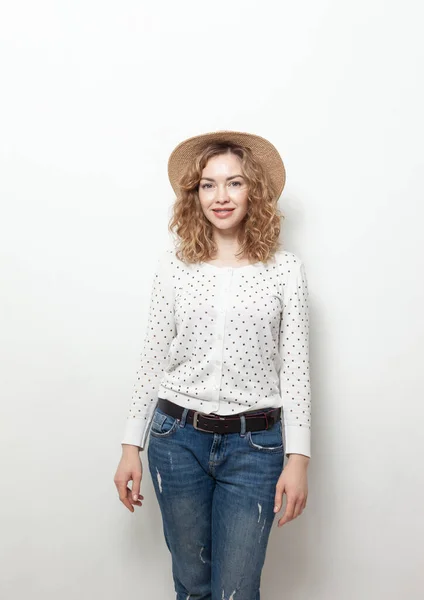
x=225 y=353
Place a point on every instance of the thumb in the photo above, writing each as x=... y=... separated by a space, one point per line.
x=136 y=486
x=278 y=500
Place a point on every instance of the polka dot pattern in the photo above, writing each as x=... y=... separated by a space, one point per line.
x=225 y=340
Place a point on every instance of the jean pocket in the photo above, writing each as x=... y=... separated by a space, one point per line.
x=267 y=440
x=163 y=425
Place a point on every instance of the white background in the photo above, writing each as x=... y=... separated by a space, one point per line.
x=94 y=97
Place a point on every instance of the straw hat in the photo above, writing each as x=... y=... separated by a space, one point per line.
x=262 y=150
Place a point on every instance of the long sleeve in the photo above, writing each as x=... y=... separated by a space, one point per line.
x=158 y=337
x=294 y=352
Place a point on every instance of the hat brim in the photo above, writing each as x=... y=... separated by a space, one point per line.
x=262 y=150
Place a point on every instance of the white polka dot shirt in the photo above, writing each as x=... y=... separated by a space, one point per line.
x=225 y=340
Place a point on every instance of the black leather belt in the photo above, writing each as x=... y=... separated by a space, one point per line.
x=213 y=423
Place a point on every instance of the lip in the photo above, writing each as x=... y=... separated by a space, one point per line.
x=224 y=215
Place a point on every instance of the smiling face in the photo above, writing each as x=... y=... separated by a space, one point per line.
x=222 y=186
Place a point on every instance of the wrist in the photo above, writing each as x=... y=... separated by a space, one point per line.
x=300 y=459
x=130 y=449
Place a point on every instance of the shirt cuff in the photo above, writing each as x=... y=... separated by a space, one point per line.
x=298 y=440
x=135 y=432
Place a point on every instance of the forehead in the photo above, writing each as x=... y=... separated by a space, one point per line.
x=222 y=164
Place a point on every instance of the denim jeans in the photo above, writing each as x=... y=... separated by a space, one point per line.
x=216 y=496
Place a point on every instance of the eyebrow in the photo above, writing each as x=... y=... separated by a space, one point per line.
x=228 y=178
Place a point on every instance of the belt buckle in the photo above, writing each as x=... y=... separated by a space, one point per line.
x=195 y=419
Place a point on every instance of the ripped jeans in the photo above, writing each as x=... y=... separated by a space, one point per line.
x=216 y=496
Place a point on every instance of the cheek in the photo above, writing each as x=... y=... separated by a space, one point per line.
x=241 y=197
x=205 y=196
x=204 y=202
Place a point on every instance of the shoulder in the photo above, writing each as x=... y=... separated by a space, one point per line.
x=163 y=262
x=169 y=263
x=166 y=257
x=291 y=269
x=288 y=261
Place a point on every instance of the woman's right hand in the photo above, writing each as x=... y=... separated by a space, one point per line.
x=129 y=469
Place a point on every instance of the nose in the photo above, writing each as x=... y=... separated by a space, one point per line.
x=222 y=193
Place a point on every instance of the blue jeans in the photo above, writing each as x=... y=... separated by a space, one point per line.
x=216 y=496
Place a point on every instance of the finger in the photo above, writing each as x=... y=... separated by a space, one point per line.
x=136 y=486
x=123 y=491
x=278 y=500
x=288 y=513
x=128 y=504
x=131 y=498
x=303 y=504
x=298 y=509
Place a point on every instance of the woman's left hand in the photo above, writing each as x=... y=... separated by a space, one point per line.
x=293 y=481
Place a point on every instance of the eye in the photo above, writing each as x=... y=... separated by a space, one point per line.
x=236 y=182
x=204 y=185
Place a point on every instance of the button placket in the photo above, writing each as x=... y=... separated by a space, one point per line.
x=225 y=298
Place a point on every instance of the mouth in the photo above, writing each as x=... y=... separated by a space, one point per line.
x=223 y=210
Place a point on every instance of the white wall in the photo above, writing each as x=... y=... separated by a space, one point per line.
x=95 y=95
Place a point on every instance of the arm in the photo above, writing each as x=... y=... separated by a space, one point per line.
x=294 y=374
x=158 y=337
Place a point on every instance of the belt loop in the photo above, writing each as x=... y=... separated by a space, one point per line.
x=242 y=425
x=184 y=417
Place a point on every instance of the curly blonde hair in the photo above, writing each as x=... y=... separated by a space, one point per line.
x=259 y=231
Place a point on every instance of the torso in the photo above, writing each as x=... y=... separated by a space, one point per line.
x=218 y=262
